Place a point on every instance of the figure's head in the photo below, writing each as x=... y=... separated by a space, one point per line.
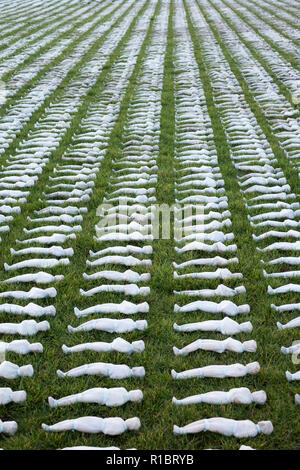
x=253 y=368
x=260 y=397
x=133 y=424
x=136 y=395
x=266 y=427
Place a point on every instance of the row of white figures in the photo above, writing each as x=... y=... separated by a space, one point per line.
x=14 y=55
x=22 y=169
x=66 y=208
x=199 y=181
x=18 y=115
x=277 y=109
x=137 y=167
x=281 y=68
x=269 y=200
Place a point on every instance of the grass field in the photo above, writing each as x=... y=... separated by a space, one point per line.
x=88 y=85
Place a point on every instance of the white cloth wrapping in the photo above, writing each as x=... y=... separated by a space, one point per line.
x=7 y=396
x=110 y=325
x=240 y=396
x=284 y=289
x=25 y=328
x=111 y=397
x=226 y=326
x=218 y=371
x=33 y=310
x=226 y=306
x=95 y=425
x=34 y=294
x=286 y=308
x=55 y=238
x=220 y=273
x=126 y=289
x=113 y=371
x=221 y=290
x=295 y=323
x=292 y=377
x=8 y=427
x=228 y=344
x=216 y=261
x=297 y=399
x=226 y=427
x=118 y=344
x=125 y=307
x=123 y=250
x=37 y=263
x=56 y=251
x=126 y=276
x=8 y=370
x=38 y=278
x=21 y=346
x=285 y=246
x=294 y=349
x=122 y=260
x=199 y=246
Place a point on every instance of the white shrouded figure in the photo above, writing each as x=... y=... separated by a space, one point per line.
x=32 y=310
x=240 y=396
x=294 y=349
x=226 y=306
x=291 y=377
x=110 y=325
x=226 y=427
x=8 y=427
x=21 y=346
x=8 y=370
x=124 y=250
x=55 y=238
x=126 y=289
x=113 y=371
x=218 y=371
x=118 y=344
x=122 y=260
x=297 y=399
x=34 y=294
x=284 y=289
x=39 y=278
x=221 y=290
x=295 y=323
x=25 y=328
x=111 y=397
x=8 y=396
x=286 y=307
x=126 y=276
x=220 y=273
x=37 y=263
x=95 y=425
x=218 y=247
x=125 y=307
x=228 y=344
x=226 y=326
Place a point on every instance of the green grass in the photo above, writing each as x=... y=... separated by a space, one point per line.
x=156 y=412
